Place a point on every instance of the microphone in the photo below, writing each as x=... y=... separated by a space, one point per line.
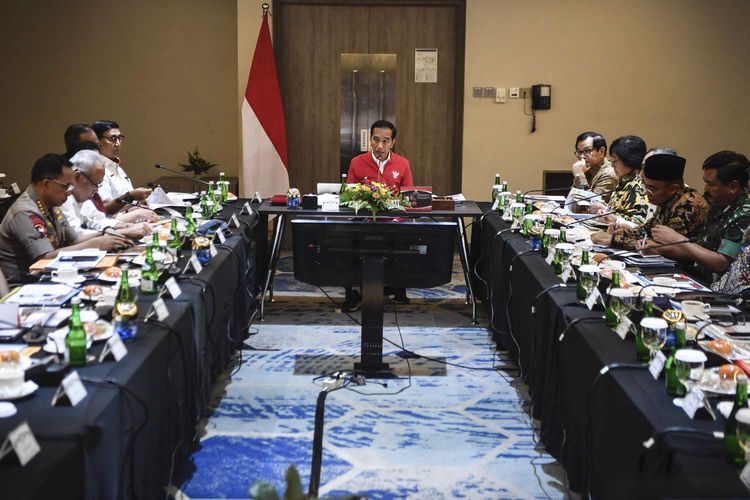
x=590 y=197
x=589 y=218
x=159 y=165
x=543 y=190
x=688 y=240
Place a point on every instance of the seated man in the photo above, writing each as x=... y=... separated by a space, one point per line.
x=381 y=165
x=593 y=171
x=82 y=216
x=726 y=175
x=117 y=190
x=79 y=132
x=34 y=227
x=677 y=206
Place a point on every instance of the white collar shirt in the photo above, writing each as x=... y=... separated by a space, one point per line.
x=116 y=182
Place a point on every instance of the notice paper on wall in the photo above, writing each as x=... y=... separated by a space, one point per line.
x=425 y=65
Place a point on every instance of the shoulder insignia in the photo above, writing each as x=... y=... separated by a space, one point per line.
x=39 y=225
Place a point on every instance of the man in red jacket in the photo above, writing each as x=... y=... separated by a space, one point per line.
x=382 y=165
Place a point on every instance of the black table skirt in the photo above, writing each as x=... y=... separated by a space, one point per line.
x=595 y=425
x=92 y=450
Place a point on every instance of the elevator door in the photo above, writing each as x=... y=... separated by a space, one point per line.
x=368 y=94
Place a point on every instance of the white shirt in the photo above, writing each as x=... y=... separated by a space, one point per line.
x=381 y=164
x=84 y=218
x=116 y=182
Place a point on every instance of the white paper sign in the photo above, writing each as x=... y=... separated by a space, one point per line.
x=15 y=188
x=161 y=309
x=173 y=287
x=592 y=298
x=624 y=327
x=73 y=388
x=425 y=65
x=221 y=236
x=657 y=365
x=195 y=263
x=24 y=443
x=565 y=276
x=745 y=475
x=693 y=400
x=235 y=220
x=246 y=206
x=117 y=346
x=550 y=258
x=212 y=249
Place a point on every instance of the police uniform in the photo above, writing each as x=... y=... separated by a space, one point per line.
x=28 y=231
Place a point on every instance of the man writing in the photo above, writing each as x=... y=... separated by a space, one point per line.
x=678 y=206
x=726 y=175
x=34 y=227
x=382 y=165
x=593 y=171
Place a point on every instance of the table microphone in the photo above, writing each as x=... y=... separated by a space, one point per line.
x=590 y=197
x=589 y=218
x=159 y=165
x=543 y=190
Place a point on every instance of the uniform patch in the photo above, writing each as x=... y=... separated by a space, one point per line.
x=39 y=225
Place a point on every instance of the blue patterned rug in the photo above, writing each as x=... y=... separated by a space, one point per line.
x=457 y=432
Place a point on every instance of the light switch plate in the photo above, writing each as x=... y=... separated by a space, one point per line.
x=478 y=92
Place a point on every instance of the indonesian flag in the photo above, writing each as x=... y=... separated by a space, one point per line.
x=264 y=159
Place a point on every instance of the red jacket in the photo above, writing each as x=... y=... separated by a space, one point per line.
x=396 y=173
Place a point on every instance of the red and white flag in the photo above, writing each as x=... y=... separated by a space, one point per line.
x=264 y=158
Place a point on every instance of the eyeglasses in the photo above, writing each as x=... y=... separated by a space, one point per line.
x=89 y=179
x=585 y=152
x=68 y=187
x=114 y=138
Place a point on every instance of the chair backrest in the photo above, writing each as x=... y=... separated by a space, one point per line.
x=328 y=188
x=6 y=203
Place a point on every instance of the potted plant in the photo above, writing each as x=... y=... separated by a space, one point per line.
x=196 y=164
x=262 y=490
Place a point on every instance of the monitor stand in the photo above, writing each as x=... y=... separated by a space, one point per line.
x=371 y=361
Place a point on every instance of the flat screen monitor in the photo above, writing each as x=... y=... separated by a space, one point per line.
x=416 y=254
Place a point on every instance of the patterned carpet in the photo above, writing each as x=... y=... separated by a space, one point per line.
x=443 y=432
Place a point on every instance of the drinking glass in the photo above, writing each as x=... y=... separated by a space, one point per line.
x=564 y=253
x=621 y=301
x=654 y=334
x=589 y=276
x=689 y=365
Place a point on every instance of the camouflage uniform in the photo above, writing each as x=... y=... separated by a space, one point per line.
x=629 y=200
x=723 y=233
x=685 y=213
x=601 y=181
x=30 y=230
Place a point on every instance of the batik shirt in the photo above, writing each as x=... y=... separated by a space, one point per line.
x=600 y=181
x=723 y=233
x=737 y=278
x=629 y=200
x=685 y=213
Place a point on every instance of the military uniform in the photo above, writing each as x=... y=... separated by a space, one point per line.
x=629 y=200
x=723 y=233
x=599 y=181
x=685 y=213
x=30 y=230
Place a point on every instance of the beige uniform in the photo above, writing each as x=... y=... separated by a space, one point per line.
x=28 y=231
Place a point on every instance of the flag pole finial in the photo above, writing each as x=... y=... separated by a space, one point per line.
x=265 y=8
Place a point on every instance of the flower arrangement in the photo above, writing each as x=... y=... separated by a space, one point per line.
x=373 y=196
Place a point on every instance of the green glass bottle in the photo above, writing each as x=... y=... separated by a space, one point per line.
x=496 y=187
x=529 y=208
x=735 y=453
x=223 y=188
x=205 y=212
x=190 y=223
x=672 y=383
x=149 y=273
x=648 y=307
x=584 y=257
x=125 y=312
x=75 y=341
x=343 y=183
x=519 y=197
x=174 y=243
x=563 y=235
x=581 y=292
x=214 y=202
x=610 y=316
x=155 y=239
x=548 y=222
x=504 y=187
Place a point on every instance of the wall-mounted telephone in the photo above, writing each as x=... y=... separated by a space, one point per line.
x=541 y=96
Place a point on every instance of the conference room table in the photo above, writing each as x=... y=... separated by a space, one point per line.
x=139 y=419
x=268 y=250
x=602 y=415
